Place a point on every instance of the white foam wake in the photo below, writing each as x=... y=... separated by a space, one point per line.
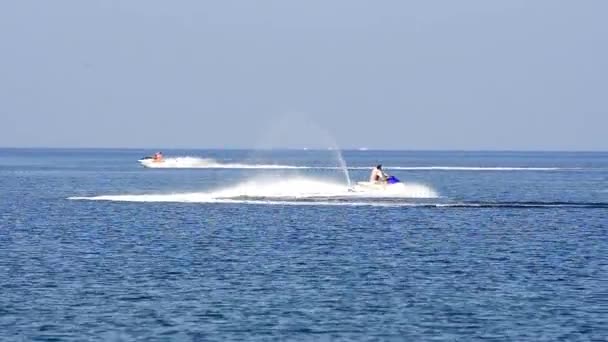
x=206 y=163
x=287 y=191
x=474 y=168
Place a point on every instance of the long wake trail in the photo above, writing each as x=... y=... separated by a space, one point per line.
x=208 y=163
x=307 y=191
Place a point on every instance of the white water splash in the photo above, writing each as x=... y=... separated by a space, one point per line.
x=206 y=163
x=269 y=192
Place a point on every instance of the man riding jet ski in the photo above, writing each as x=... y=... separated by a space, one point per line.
x=378 y=176
x=157 y=157
x=378 y=180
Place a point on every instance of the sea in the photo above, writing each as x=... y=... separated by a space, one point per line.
x=285 y=245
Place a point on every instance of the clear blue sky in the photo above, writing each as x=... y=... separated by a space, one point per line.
x=516 y=74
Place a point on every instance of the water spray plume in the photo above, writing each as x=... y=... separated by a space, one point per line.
x=299 y=130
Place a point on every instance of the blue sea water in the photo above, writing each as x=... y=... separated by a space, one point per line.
x=270 y=245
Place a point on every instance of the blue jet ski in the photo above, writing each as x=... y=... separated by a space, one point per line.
x=392 y=180
x=363 y=186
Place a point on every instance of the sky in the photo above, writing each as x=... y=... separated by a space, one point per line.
x=449 y=75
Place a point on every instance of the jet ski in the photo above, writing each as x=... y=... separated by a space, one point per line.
x=376 y=186
x=150 y=160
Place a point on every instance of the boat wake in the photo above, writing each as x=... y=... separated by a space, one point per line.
x=292 y=190
x=208 y=163
x=477 y=168
x=313 y=192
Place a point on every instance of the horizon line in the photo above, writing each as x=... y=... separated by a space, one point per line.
x=359 y=149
